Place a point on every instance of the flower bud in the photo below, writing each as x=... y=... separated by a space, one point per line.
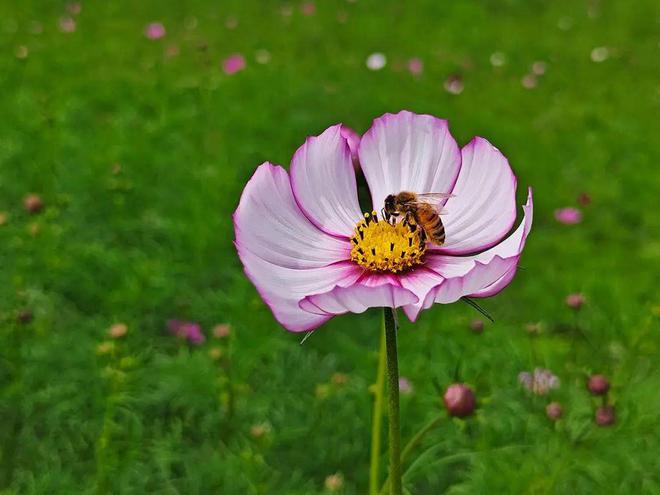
x=554 y=411
x=334 y=482
x=118 y=330
x=259 y=430
x=584 y=199
x=459 y=400
x=575 y=301
x=598 y=385
x=221 y=330
x=25 y=316
x=477 y=326
x=339 y=379
x=605 y=416
x=33 y=203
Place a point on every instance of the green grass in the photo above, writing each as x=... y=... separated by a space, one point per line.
x=154 y=242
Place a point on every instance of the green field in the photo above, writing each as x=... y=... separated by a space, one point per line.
x=140 y=148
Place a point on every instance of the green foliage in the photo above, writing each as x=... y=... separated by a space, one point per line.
x=151 y=239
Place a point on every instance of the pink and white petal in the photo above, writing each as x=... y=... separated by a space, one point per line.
x=514 y=244
x=269 y=223
x=372 y=291
x=498 y=285
x=353 y=140
x=282 y=288
x=408 y=152
x=420 y=282
x=445 y=279
x=477 y=277
x=323 y=182
x=483 y=208
x=486 y=273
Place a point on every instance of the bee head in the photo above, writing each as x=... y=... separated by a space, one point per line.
x=390 y=207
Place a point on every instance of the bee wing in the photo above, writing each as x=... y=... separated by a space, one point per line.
x=434 y=197
x=434 y=200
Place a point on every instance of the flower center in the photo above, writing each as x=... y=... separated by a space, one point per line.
x=381 y=246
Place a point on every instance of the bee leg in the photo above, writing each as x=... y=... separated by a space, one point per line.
x=422 y=236
x=385 y=215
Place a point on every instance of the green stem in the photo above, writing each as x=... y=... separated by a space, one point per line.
x=377 y=421
x=393 y=401
x=410 y=446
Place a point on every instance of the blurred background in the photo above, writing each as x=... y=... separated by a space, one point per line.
x=135 y=357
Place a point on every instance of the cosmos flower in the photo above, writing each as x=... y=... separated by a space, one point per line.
x=415 y=66
x=154 y=30
x=233 y=64
x=187 y=330
x=67 y=24
x=376 y=61
x=312 y=254
x=568 y=216
x=540 y=382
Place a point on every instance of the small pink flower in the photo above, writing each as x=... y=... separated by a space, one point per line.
x=415 y=66
x=540 y=382
x=568 y=216
x=74 y=8
x=154 y=31
x=67 y=24
x=308 y=8
x=405 y=387
x=575 y=301
x=187 y=330
x=233 y=64
x=454 y=84
x=312 y=254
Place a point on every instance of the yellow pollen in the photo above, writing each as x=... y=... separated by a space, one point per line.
x=381 y=246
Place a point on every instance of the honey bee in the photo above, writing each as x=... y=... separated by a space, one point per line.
x=419 y=209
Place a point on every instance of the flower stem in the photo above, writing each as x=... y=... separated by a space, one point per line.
x=410 y=446
x=377 y=420
x=393 y=401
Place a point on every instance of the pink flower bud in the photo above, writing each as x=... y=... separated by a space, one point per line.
x=605 y=416
x=554 y=411
x=575 y=301
x=459 y=400
x=598 y=385
x=584 y=199
x=33 y=203
x=25 y=316
x=477 y=326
